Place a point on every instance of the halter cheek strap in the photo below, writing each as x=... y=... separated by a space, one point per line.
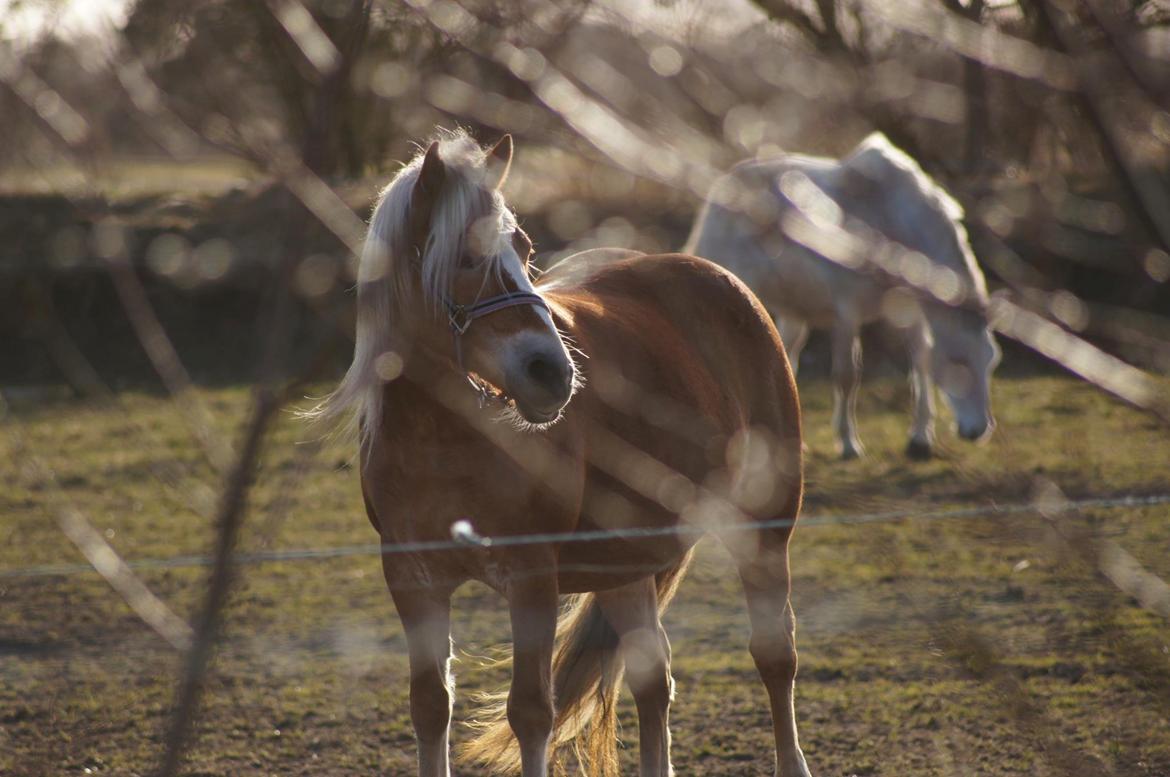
x=460 y=318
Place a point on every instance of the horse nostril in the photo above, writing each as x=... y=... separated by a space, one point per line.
x=547 y=373
x=974 y=432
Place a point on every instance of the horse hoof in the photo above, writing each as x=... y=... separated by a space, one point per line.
x=919 y=450
x=849 y=454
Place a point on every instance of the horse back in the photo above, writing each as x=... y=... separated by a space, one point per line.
x=683 y=370
x=676 y=334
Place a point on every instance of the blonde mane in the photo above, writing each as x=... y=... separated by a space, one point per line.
x=387 y=287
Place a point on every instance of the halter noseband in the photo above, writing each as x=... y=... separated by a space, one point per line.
x=460 y=318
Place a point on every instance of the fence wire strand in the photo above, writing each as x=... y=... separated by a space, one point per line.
x=464 y=537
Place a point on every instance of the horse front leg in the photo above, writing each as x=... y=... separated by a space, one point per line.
x=846 y=347
x=426 y=618
x=918 y=347
x=533 y=608
x=632 y=610
x=794 y=335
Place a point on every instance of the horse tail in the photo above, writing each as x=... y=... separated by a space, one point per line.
x=587 y=672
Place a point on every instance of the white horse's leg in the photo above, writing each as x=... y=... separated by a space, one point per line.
x=846 y=347
x=632 y=610
x=918 y=346
x=794 y=333
x=426 y=618
x=532 y=603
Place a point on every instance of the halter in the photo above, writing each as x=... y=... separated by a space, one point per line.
x=460 y=318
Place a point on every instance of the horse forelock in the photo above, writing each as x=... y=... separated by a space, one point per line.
x=466 y=219
x=463 y=203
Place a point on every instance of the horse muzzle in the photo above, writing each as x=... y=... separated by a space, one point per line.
x=977 y=432
x=541 y=385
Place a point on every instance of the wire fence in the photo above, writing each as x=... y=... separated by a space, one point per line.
x=679 y=141
x=464 y=535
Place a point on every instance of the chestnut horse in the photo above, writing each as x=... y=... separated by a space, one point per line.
x=681 y=417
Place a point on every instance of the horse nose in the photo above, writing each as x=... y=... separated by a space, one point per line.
x=976 y=431
x=551 y=373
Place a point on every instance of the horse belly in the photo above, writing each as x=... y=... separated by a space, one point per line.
x=597 y=566
x=629 y=504
x=804 y=285
x=423 y=490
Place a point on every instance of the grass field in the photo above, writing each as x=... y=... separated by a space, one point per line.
x=982 y=646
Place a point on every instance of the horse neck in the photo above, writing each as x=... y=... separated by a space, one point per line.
x=939 y=315
x=428 y=395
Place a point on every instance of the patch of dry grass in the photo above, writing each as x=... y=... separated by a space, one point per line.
x=963 y=647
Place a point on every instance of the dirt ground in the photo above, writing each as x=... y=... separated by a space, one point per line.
x=974 y=646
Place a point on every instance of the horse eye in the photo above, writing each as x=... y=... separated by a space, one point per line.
x=466 y=262
x=523 y=246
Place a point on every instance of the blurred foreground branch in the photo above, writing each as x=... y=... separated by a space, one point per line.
x=270 y=395
x=228 y=522
x=1146 y=191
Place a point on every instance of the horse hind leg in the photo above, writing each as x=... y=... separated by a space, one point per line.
x=632 y=610
x=766 y=586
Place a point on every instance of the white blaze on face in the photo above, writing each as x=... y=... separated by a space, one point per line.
x=519 y=347
x=516 y=351
x=492 y=235
x=513 y=268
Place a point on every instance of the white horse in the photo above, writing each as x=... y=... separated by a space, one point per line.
x=884 y=189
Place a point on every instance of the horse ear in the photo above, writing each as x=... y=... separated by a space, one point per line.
x=499 y=162
x=425 y=193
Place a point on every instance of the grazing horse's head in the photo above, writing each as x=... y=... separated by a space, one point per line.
x=963 y=357
x=444 y=275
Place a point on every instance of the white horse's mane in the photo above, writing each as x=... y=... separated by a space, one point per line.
x=881 y=161
x=464 y=209
x=898 y=199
